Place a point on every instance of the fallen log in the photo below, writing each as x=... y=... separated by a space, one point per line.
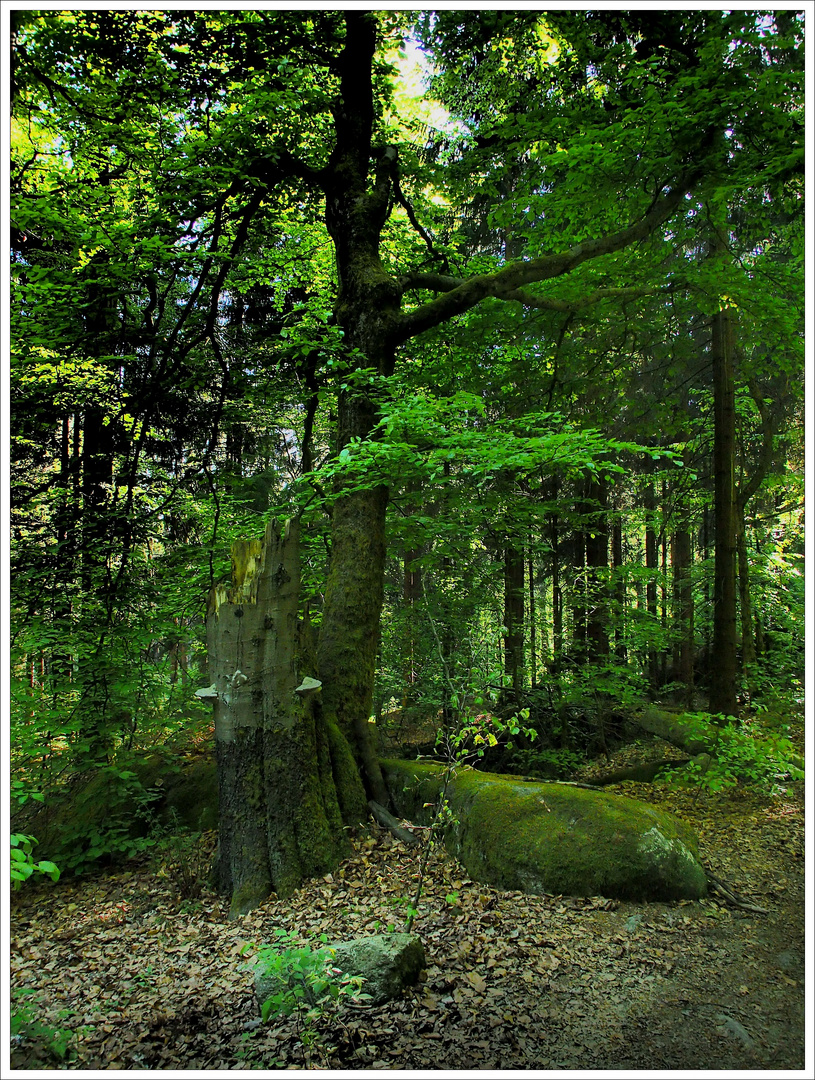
x=545 y=838
x=732 y=897
x=697 y=737
x=646 y=771
x=679 y=729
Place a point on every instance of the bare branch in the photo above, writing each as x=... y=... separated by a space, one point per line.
x=414 y=221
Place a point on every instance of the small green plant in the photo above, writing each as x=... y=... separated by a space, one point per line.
x=129 y=828
x=305 y=984
x=183 y=860
x=740 y=752
x=146 y=976
x=35 y=1037
x=22 y=861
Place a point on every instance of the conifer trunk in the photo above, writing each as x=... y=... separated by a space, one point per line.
x=725 y=638
x=596 y=570
x=514 y=622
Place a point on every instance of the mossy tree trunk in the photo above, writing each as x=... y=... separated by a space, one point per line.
x=282 y=774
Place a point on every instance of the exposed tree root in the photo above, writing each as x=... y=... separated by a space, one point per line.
x=731 y=896
x=391 y=823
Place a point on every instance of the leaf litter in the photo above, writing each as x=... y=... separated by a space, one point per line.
x=136 y=977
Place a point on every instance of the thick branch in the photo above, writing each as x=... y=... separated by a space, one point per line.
x=444 y=283
x=512 y=277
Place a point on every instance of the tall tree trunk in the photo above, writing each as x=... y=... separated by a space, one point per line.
x=651 y=565
x=748 y=642
x=596 y=569
x=725 y=639
x=577 y=545
x=533 y=628
x=557 y=594
x=746 y=491
x=514 y=669
x=279 y=768
x=619 y=587
x=367 y=308
x=683 y=606
x=411 y=596
x=663 y=586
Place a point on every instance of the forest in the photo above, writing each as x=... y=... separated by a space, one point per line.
x=406 y=576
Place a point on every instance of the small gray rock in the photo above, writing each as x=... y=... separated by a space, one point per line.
x=790 y=961
x=733 y=1027
x=387 y=963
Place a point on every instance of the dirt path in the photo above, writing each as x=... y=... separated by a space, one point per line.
x=145 y=980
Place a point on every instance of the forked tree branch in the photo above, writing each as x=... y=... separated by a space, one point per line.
x=460 y=297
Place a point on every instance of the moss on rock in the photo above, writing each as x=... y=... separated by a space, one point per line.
x=102 y=807
x=554 y=838
x=192 y=795
x=387 y=963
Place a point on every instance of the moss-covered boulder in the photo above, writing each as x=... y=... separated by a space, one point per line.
x=554 y=838
x=191 y=796
x=104 y=809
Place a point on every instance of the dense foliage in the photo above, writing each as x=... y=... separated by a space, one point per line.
x=181 y=372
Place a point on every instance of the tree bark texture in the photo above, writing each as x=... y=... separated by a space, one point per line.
x=725 y=638
x=652 y=565
x=596 y=570
x=514 y=669
x=278 y=766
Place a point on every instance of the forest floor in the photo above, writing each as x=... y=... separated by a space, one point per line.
x=121 y=971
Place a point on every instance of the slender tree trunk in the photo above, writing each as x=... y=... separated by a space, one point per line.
x=411 y=596
x=683 y=608
x=748 y=642
x=578 y=646
x=596 y=541
x=746 y=491
x=725 y=639
x=663 y=587
x=514 y=622
x=533 y=629
x=619 y=588
x=557 y=595
x=759 y=622
x=651 y=565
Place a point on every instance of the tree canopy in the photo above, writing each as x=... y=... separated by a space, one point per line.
x=504 y=308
